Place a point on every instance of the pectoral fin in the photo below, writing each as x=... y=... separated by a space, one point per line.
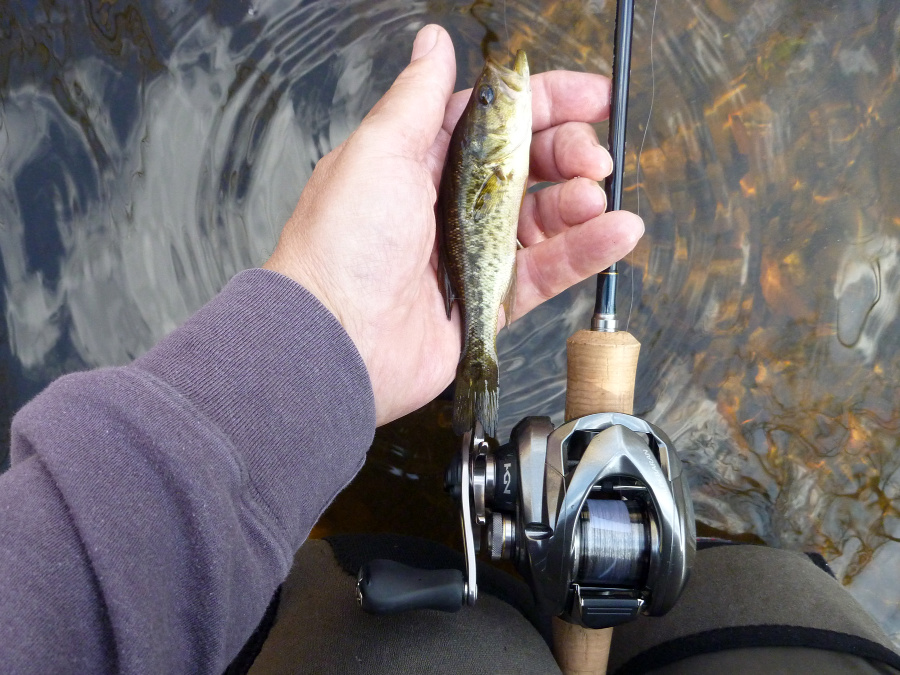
x=444 y=282
x=489 y=194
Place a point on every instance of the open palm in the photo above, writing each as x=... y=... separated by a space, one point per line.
x=362 y=238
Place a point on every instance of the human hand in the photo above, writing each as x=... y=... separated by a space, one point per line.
x=362 y=237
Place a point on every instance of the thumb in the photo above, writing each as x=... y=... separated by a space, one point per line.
x=408 y=117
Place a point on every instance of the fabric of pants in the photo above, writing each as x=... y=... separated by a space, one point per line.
x=746 y=609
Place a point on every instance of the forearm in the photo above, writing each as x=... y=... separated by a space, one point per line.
x=180 y=486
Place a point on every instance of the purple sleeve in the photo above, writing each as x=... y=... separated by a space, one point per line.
x=152 y=510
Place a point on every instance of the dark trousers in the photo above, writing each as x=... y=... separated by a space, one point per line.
x=746 y=609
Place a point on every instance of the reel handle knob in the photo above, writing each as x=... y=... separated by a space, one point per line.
x=388 y=587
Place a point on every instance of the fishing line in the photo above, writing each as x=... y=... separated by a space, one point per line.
x=506 y=26
x=641 y=149
x=614 y=537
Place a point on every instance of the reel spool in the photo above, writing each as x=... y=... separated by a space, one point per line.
x=596 y=515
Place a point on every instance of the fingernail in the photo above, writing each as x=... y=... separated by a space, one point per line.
x=607 y=162
x=425 y=41
x=603 y=195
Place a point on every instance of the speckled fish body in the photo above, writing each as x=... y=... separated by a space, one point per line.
x=479 y=199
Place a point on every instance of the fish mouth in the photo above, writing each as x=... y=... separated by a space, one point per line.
x=516 y=78
x=521 y=64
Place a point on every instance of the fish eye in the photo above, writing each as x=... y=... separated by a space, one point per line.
x=486 y=95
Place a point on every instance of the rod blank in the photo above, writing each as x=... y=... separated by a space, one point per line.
x=607 y=281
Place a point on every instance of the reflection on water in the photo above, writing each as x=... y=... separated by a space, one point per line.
x=148 y=153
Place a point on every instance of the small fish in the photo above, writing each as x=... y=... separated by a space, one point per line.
x=479 y=199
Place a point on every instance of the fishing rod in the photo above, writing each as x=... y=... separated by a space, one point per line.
x=604 y=318
x=602 y=362
x=595 y=514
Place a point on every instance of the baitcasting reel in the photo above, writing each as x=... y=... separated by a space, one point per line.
x=595 y=515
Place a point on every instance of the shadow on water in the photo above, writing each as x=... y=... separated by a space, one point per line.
x=148 y=151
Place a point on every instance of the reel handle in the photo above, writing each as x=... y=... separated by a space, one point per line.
x=388 y=587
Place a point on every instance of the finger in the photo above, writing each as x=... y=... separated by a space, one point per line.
x=561 y=96
x=438 y=151
x=436 y=155
x=408 y=117
x=557 y=96
x=550 y=267
x=455 y=107
x=568 y=150
x=554 y=209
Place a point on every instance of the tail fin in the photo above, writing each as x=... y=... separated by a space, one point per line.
x=477 y=392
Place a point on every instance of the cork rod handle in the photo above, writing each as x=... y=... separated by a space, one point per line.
x=602 y=368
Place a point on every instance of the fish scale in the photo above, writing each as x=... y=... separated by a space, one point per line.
x=480 y=195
